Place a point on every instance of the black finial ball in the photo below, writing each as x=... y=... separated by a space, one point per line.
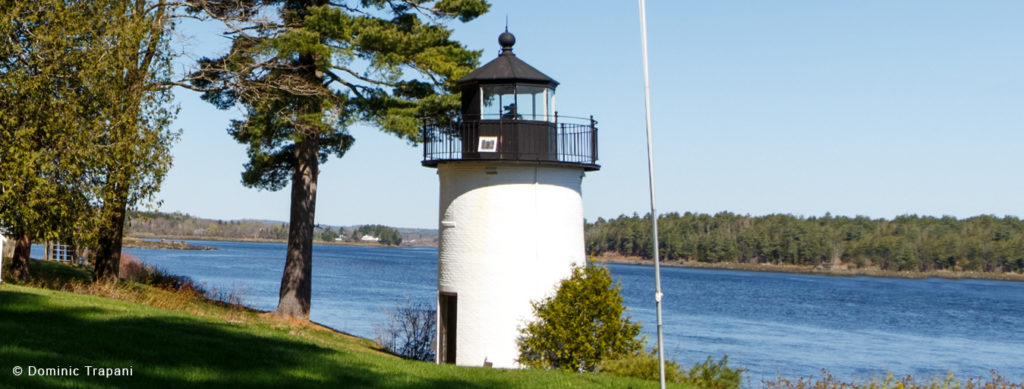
x=506 y=40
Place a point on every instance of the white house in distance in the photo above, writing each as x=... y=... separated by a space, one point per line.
x=511 y=207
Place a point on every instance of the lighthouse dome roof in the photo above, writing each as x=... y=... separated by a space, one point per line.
x=507 y=68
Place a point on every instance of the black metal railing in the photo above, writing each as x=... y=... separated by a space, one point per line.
x=557 y=141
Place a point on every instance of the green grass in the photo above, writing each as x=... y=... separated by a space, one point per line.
x=215 y=346
x=51 y=272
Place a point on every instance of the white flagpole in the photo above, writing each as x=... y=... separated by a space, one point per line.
x=650 y=172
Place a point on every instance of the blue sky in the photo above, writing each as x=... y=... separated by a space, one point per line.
x=875 y=108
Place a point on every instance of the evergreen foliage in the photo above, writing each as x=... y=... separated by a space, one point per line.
x=305 y=70
x=906 y=243
x=581 y=325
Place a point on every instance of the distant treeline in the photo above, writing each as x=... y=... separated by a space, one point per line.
x=183 y=225
x=906 y=243
x=383 y=234
x=158 y=224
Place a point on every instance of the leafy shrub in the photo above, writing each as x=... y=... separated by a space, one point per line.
x=130 y=268
x=642 y=366
x=709 y=374
x=409 y=331
x=714 y=375
x=161 y=279
x=581 y=325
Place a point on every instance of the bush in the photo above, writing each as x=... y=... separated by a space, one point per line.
x=409 y=331
x=161 y=279
x=581 y=325
x=130 y=268
x=642 y=366
x=710 y=374
x=714 y=375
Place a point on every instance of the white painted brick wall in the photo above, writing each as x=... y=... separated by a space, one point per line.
x=515 y=235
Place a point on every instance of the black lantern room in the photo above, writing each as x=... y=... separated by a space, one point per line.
x=508 y=114
x=507 y=88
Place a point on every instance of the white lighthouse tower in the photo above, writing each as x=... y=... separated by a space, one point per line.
x=511 y=207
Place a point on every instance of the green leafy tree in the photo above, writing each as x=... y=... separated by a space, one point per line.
x=83 y=119
x=39 y=92
x=132 y=81
x=581 y=325
x=305 y=70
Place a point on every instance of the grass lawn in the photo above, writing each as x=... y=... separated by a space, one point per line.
x=203 y=344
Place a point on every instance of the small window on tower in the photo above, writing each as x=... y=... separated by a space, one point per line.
x=488 y=144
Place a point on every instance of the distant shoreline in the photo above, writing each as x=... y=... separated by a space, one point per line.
x=810 y=270
x=261 y=240
x=629 y=260
x=162 y=244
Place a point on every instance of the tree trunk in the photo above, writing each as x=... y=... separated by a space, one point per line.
x=297 y=281
x=111 y=231
x=19 y=263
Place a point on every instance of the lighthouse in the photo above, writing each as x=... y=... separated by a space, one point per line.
x=511 y=206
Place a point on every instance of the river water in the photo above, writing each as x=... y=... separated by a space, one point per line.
x=768 y=323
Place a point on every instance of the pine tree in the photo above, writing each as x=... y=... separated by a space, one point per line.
x=308 y=71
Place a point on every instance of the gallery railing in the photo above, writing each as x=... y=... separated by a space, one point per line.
x=510 y=139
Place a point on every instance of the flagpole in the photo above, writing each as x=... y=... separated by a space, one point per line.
x=650 y=172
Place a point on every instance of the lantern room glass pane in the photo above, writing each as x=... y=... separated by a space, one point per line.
x=551 y=105
x=498 y=100
x=531 y=102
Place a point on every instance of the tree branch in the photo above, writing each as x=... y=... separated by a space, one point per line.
x=353 y=87
x=361 y=78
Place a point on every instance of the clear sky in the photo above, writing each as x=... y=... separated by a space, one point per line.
x=876 y=108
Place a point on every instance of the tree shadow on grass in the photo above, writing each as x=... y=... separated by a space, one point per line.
x=173 y=351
